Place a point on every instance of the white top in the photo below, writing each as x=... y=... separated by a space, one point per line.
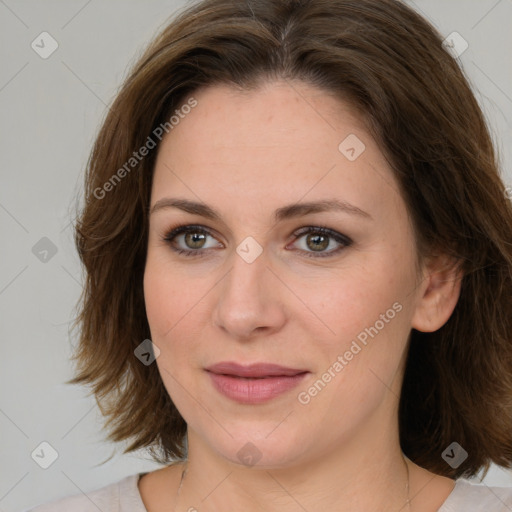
x=124 y=496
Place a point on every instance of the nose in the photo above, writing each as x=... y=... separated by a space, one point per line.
x=249 y=300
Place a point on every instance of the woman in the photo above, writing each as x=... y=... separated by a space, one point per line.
x=299 y=265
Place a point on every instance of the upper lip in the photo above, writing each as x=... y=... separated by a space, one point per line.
x=253 y=370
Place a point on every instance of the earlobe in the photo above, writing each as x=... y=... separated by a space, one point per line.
x=438 y=295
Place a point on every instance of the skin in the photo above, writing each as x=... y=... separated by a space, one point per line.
x=246 y=154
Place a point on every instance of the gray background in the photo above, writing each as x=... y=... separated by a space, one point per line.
x=51 y=109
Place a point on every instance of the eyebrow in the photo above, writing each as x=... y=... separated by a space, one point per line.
x=283 y=213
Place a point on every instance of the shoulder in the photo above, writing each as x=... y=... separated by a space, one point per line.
x=121 y=496
x=468 y=496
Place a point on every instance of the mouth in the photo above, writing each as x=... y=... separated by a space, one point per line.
x=255 y=383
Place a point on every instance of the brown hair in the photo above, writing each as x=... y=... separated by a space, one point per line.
x=390 y=64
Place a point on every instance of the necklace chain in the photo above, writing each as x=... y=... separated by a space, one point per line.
x=179 y=488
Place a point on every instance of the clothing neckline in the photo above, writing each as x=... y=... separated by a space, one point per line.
x=456 y=492
x=132 y=492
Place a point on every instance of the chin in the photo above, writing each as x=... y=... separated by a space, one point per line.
x=250 y=448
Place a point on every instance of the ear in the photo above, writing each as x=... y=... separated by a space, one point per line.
x=438 y=294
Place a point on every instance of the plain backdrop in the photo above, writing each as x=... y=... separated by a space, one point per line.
x=51 y=109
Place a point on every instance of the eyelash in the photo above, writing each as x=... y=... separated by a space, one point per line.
x=184 y=229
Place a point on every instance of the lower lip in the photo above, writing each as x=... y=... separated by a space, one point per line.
x=254 y=391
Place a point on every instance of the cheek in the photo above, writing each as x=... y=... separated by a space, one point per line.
x=159 y=300
x=175 y=307
x=168 y=294
x=367 y=311
x=360 y=363
x=350 y=300
x=165 y=306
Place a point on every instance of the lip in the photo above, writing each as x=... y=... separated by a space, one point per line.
x=254 y=383
x=253 y=370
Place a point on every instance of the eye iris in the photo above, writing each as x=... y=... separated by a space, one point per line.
x=193 y=238
x=320 y=242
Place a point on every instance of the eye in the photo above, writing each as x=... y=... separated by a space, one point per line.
x=190 y=240
x=316 y=239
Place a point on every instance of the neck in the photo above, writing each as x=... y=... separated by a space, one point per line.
x=369 y=473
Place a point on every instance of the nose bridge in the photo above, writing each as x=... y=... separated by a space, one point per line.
x=247 y=299
x=245 y=282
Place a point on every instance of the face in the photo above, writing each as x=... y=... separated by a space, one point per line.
x=253 y=275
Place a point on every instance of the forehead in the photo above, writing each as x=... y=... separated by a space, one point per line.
x=281 y=142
